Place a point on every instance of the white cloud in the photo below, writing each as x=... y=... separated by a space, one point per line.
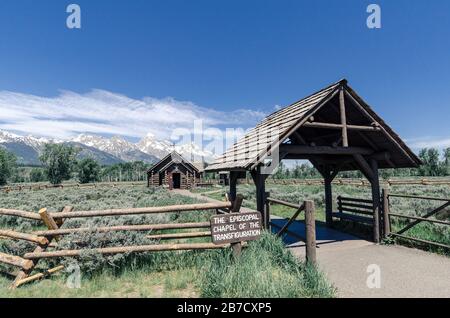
x=429 y=142
x=104 y=112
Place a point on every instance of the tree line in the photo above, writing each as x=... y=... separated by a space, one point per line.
x=59 y=163
x=435 y=164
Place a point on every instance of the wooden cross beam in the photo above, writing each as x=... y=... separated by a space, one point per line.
x=340 y=126
x=324 y=150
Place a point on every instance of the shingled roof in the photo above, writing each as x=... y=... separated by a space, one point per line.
x=278 y=129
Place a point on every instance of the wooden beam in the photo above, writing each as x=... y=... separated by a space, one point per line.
x=148 y=210
x=366 y=169
x=13 y=260
x=310 y=229
x=126 y=249
x=388 y=135
x=141 y=227
x=340 y=126
x=328 y=197
x=324 y=150
x=260 y=183
x=343 y=117
x=24 y=236
x=178 y=235
x=39 y=275
x=375 y=182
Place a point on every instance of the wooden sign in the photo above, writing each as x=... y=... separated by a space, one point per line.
x=236 y=227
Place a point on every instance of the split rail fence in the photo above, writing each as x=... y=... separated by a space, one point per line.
x=414 y=220
x=47 y=240
x=310 y=225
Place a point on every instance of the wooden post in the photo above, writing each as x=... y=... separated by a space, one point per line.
x=310 y=224
x=267 y=211
x=375 y=182
x=233 y=185
x=386 y=219
x=237 y=247
x=51 y=225
x=343 y=118
x=328 y=198
x=260 y=180
x=48 y=220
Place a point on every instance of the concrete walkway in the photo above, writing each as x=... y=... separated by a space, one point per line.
x=404 y=272
x=345 y=259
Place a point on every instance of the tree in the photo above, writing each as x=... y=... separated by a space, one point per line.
x=88 y=170
x=59 y=162
x=37 y=175
x=431 y=164
x=7 y=165
x=447 y=161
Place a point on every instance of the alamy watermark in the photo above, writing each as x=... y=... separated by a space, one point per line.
x=374 y=19
x=374 y=278
x=73 y=21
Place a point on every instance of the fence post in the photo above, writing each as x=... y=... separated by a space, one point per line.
x=237 y=247
x=310 y=224
x=386 y=220
x=266 y=211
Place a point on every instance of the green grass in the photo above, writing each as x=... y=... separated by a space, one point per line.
x=265 y=269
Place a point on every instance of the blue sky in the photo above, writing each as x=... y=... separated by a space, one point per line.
x=218 y=60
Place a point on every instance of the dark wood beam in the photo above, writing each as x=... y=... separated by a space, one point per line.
x=364 y=166
x=340 y=126
x=375 y=182
x=324 y=150
x=260 y=182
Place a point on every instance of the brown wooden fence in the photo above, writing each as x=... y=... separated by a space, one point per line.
x=310 y=225
x=415 y=220
x=337 y=181
x=47 y=239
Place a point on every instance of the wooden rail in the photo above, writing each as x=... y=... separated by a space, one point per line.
x=310 y=225
x=387 y=215
x=359 y=182
x=125 y=249
x=337 y=181
x=22 y=187
x=120 y=212
x=54 y=220
x=140 y=227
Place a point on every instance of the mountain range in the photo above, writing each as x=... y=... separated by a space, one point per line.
x=106 y=151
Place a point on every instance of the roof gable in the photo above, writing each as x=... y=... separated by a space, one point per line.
x=254 y=147
x=171 y=158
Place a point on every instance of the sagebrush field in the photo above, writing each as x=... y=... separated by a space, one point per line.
x=266 y=267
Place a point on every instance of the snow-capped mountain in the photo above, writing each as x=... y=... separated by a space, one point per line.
x=35 y=143
x=160 y=148
x=106 y=150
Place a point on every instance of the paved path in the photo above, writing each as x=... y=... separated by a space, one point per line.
x=405 y=272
